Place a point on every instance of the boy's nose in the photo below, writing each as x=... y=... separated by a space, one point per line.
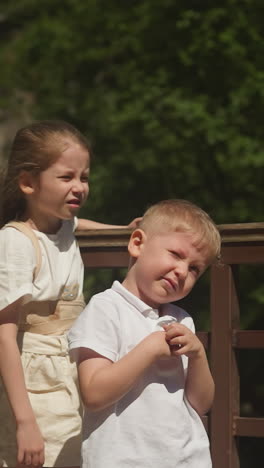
x=181 y=270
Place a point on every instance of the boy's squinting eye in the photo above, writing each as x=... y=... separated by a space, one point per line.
x=174 y=253
x=195 y=269
x=85 y=178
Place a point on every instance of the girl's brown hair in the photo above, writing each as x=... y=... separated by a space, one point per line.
x=35 y=148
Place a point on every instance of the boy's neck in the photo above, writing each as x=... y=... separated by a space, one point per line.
x=160 y=310
x=131 y=286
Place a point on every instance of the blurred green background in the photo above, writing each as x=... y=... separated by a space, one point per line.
x=171 y=96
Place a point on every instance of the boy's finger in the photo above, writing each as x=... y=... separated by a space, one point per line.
x=176 y=341
x=172 y=333
x=175 y=348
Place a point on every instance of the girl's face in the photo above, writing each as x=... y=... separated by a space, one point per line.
x=60 y=190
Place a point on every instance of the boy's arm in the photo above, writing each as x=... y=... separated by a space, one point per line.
x=103 y=382
x=86 y=224
x=199 y=386
x=29 y=440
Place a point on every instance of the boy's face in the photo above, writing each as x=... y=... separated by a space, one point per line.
x=167 y=266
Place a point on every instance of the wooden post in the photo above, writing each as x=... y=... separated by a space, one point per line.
x=225 y=317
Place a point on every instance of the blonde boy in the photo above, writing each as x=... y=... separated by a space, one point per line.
x=143 y=372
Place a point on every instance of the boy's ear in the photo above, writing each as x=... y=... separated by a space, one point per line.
x=26 y=182
x=136 y=242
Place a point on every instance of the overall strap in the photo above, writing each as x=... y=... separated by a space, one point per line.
x=25 y=229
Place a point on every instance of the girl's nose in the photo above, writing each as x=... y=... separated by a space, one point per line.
x=78 y=186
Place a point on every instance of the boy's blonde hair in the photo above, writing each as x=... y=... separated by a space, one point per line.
x=177 y=215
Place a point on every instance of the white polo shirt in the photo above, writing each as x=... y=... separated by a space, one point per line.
x=153 y=425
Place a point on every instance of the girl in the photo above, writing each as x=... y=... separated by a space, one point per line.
x=41 y=279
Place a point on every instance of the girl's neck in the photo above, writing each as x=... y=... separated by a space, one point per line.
x=48 y=227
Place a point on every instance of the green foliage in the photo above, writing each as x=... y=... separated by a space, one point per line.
x=170 y=94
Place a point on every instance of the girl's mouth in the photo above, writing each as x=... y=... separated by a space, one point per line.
x=74 y=202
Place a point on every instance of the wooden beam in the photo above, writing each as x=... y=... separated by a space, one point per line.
x=248 y=427
x=248 y=339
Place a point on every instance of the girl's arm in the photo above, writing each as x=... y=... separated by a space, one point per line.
x=29 y=440
x=103 y=382
x=86 y=224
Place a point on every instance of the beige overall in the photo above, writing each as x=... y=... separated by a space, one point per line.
x=50 y=377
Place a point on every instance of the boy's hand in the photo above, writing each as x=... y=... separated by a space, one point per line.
x=158 y=344
x=199 y=386
x=30 y=445
x=182 y=340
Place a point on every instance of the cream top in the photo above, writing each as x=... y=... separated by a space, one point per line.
x=61 y=272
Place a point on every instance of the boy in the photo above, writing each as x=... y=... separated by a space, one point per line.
x=143 y=372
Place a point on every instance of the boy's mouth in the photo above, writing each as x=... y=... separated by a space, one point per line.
x=171 y=284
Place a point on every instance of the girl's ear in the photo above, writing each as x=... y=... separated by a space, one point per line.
x=26 y=182
x=136 y=242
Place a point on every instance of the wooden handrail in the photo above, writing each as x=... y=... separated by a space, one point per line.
x=118 y=238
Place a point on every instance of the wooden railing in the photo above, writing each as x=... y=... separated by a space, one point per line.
x=241 y=244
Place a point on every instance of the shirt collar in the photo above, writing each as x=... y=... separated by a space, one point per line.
x=143 y=308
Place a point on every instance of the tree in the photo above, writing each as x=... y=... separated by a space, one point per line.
x=171 y=96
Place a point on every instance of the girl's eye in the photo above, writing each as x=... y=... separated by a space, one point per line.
x=65 y=177
x=85 y=179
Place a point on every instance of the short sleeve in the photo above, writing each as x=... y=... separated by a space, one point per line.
x=75 y=223
x=17 y=263
x=97 y=328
